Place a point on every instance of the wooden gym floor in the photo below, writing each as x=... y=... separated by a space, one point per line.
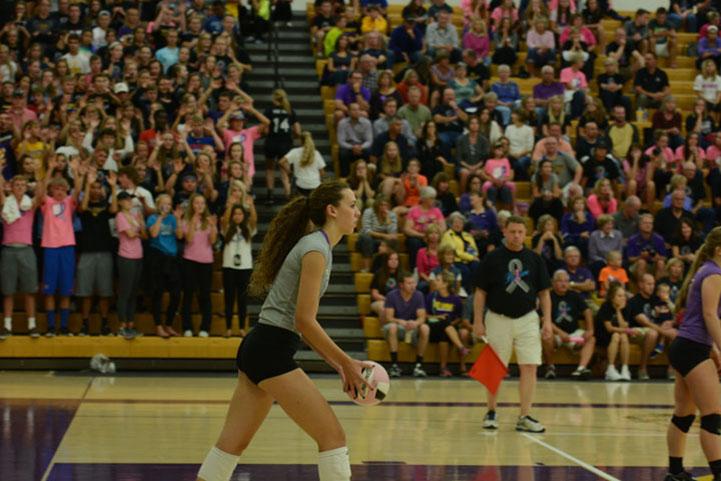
x=158 y=427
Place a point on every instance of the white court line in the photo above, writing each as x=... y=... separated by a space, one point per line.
x=573 y=459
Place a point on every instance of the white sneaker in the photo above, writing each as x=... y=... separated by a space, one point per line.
x=203 y=334
x=529 y=425
x=612 y=374
x=418 y=371
x=625 y=373
x=188 y=333
x=490 y=420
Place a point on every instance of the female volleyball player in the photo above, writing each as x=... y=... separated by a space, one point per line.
x=695 y=357
x=293 y=268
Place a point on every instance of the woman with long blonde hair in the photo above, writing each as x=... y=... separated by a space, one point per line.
x=307 y=164
x=283 y=127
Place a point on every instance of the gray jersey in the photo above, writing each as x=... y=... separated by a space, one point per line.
x=279 y=307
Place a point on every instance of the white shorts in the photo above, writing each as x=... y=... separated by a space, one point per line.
x=570 y=345
x=522 y=334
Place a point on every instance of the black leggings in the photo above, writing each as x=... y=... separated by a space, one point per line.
x=235 y=288
x=164 y=274
x=197 y=279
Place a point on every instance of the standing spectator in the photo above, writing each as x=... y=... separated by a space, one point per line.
x=58 y=242
x=307 y=164
x=239 y=226
x=612 y=330
x=236 y=132
x=511 y=282
x=444 y=309
x=19 y=265
x=567 y=309
x=131 y=232
x=96 y=246
x=282 y=128
x=163 y=263
x=405 y=318
x=651 y=84
x=200 y=231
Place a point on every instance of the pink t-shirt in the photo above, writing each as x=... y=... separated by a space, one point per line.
x=499 y=13
x=681 y=153
x=712 y=154
x=420 y=219
x=576 y=79
x=246 y=137
x=129 y=248
x=667 y=154
x=426 y=261
x=199 y=249
x=597 y=209
x=497 y=168
x=20 y=231
x=58 y=222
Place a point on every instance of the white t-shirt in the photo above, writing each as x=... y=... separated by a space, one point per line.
x=707 y=87
x=139 y=192
x=307 y=177
x=238 y=246
x=79 y=63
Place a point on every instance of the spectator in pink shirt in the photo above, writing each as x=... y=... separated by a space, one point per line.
x=427 y=257
x=692 y=151
x=232 y=128
x=419 y=218
x=541 y=46
x=498 y=176
x=713 y=153
x=664 y=160
x=199 y=229
x=506 y=10
x=19 y=273
x=477 y=40
x=58 y=242
x=602 y=200
x=131 y=232
x=576 y=85
x=19 y=112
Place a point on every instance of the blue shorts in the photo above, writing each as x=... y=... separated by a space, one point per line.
x=59 y=270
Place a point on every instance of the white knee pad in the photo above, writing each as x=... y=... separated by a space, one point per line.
x=218 y=466
x=334 y=465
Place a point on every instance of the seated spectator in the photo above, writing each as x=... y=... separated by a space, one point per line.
x=505 y=43
x=373 y=21
x=612 y=273
x=626 y=219
x=483 y=224
x=445 y=311
x=352 y=92
x=521 y=139
x=602 y=241
x=581 y=277
x=651 y=84
x=600 y=165
x=541 y=46
x=385 y=279
x=663 y=36
x=381 y=99
x=432 y=155
x=410 y=80
x=709 y=47
x=682 y=15
x=547 y=242
x=624 y=51
x=441 y=36
x=472 y=149
x=406 y=41
x=498 y=177
x=645 y=331
x=387 y=115
x=427 y=258
x=389 y=170
x=555 y=114
x=668 y=119
x=547 y=88
x=576 y=85
x=355 y=138
x=418 y=219
x=700 y=122
x=504 y=9
x=341 y=62
x=445 y=197
x=622 y=133
x=664 y=163
x=612 y=331
x=405 y=319
x=307 y=165
x=638 y=32
x=566 y=168
x=712 y=19
x=363 y=183
x=667 y=221
x=476 y=68
x=567 y=310
x=577 y=225
x=468 y=93
x=691 y=151
x=379 y=224
x=474 y=185
x=587 y=35
x=488 y=119
x=546 y=192
x=675 y=269
x=465 y=249
x=442 y=73
x=412 y=181
x=395 y=135
x=610 y=86
x=602 y=200
x=707 y=84
x=322 y=23
x=331 y=37
x=449 y=119
x=639 y=175
x=576 y=48
x=414 y=112
x=647 y=249
x=664 y=319
x=476 y=38
x=561 y=13
x=686 y=242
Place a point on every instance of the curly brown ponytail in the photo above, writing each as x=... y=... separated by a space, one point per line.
x=294 y=221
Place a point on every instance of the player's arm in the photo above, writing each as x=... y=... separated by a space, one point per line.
x=312 y=269
x=479 y=309
x=710 y=295
x=646 y=322
x=546 y=325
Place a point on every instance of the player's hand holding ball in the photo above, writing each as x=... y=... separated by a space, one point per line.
x=373 y=384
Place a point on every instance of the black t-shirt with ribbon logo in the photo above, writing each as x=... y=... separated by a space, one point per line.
x=567 y=310
x=512 y=281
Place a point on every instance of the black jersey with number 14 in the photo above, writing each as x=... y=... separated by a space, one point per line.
x=512 y=281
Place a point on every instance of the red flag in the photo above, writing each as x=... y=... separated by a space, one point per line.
x=488 y=369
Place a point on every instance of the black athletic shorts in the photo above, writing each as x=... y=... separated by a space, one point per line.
x=438 y=331
x=276 y=148
x=266 y=352
x=684 y=354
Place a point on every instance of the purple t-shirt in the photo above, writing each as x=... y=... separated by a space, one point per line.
x=545 y=92
x=581 y=275
x=347 y=96
x=693 y=326
x=637 y=244
x=402 y=309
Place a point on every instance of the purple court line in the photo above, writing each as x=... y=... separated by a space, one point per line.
x=348 y=403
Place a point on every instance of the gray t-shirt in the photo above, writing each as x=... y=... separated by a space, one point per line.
x=279 y=307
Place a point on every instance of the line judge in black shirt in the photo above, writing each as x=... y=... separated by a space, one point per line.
x=511 y=282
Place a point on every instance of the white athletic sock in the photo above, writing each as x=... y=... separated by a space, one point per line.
x=218 y=465
x=31 y=323
x=9 y=323
x=334 y=465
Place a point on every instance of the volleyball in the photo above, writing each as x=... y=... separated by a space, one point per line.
x=375 y=376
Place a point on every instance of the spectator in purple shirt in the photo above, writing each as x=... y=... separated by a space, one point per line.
x=547 y=88
x=709 y=46
x=352 y=92
x=509 y=95
x=581 y=278
x=646 y=251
